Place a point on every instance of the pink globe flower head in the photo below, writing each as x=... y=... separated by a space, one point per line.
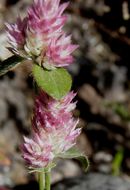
x=54 y=130
x=55 y=118
x=40 y=35
x=45 y=21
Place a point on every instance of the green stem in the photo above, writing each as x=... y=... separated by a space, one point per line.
x=41 y=179
x=47 y=180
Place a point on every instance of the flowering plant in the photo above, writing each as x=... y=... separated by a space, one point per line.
x=39 y=37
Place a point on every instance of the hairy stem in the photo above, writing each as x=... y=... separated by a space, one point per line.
x=41 y=180
x=47 y=180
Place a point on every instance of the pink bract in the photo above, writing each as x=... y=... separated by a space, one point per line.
x=17 y=34
x=37 y=153
x=60 y=50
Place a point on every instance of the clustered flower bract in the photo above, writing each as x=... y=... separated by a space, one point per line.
x=54 y=130
x=39 y=36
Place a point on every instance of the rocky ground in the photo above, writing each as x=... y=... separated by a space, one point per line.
x=101 y=77
x=93 y=181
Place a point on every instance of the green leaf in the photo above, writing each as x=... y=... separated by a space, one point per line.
x=75 y=154
x=9 y=64
x=56 y=82
x=117 y=162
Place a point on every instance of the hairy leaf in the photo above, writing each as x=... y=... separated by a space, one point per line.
x=56 y=82
x=74 y=153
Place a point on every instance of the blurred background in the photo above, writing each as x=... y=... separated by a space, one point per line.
x=101 y=75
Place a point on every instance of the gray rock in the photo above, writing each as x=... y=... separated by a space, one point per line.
x=94 y=181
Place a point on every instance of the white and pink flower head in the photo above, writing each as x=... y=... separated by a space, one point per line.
x=40 y=36
x=54 y=130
